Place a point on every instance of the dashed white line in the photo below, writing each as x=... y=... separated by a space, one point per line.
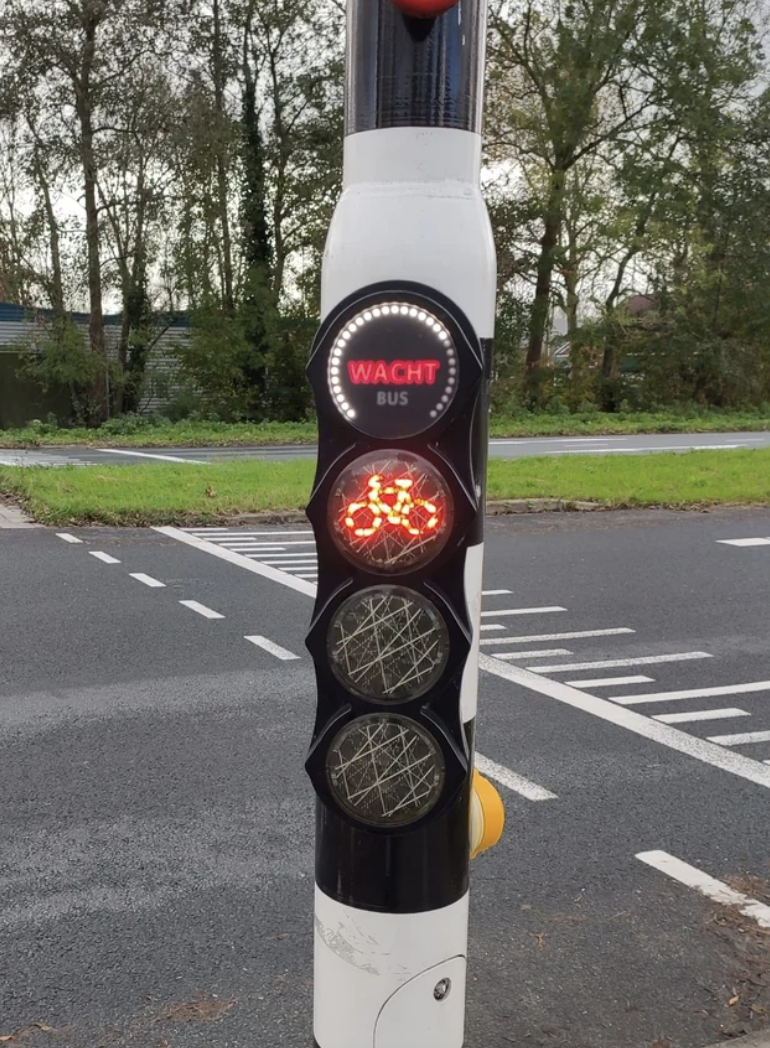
x=512 y=781
x=744 y=542
x=69 y=538
x=201 y=609
x=148 y=580
x=272 y=648
x=691 y=693
x=699 y=715
x=148 y=455
x=105 y=558
x=642 y=660
x=494 y=593
x=575 y=635
x=541 y=653
x=740 y=739
x=491 y=626
x=520 y=611
x=609 y=682
x=663 y=734
x=713 y=889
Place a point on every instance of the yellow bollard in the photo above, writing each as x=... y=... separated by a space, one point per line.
x=487 y=815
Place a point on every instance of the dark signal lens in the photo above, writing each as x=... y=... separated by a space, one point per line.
x=388 y=643
x=385 y=770
x=390 y=511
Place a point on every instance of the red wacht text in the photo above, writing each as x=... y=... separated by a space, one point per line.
x=393 y=373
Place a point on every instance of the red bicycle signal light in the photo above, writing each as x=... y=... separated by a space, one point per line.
x=424 y=8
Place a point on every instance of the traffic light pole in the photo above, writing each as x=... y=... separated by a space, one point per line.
x=400 y=371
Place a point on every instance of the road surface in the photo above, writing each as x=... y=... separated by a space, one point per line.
x=156 y=701
x=515 y=447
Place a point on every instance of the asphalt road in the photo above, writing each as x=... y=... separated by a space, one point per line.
x=517 y=447
x=156 y=832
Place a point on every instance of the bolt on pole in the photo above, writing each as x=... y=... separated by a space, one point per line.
x=400 y=371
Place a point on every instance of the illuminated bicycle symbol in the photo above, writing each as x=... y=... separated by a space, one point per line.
x=391 y=506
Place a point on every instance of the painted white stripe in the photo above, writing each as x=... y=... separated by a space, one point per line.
x=740 y=740
x=301 y=585
x=490 y=626
x=69 y=538
x=148 y=455
x=520 y=611
x=650 y=447
x=608 y=682
x=291 y=562
x=536 y=637
x=148 y=580
x=265 y=545
x=690 y=745
x=494 y=593
x=692 y=693
x=512 y=781
x=201 y=609
x=105 y=558
x=744 y=542
x=543 y=653
x=720 y=892
x=642 y=660
x=290 y=556
x=243 y=533
x=253 y=547
x=699 y=715
x=304 y=575
x=273 y=649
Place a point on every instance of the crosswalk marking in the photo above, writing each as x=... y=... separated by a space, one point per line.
x=744 y=542
x=535 y=637
x=742 y=739
x=608 y=682
x=691 y=693
x=641 y=660
x=699 y=715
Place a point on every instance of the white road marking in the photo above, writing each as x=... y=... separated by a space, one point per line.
x=650 y=447
x=236 y=534
x=512 y=781
x=291 y=562
x=494 y=593
x=607 y=682
x=148 y=455
x=744 y=542
x=699 y=749
x=265 y=545
x=521 y=611
x=642 y=660
x=542 y=653
x=740 y=740
x=536 y=637
x=69 y=538
x=713 y=889
x=289 y=556
x=148 y=580
x=691 y=693
x=253 y=548
x=105 y=558
x=699 y=715
x=303 y=575
x=490 y=626
x=207 y=613
x=273 y=649
x=274 y=574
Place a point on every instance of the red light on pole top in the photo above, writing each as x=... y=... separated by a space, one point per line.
x=424 y=8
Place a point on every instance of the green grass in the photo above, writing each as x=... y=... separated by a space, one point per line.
x=126 y=433
x=166 y=493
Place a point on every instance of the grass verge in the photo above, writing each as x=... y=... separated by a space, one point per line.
x=129 y=433
x=169 y=493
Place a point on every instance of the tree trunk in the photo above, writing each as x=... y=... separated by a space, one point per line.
x=545 y=266
x=82 y=86
x=221 y=161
